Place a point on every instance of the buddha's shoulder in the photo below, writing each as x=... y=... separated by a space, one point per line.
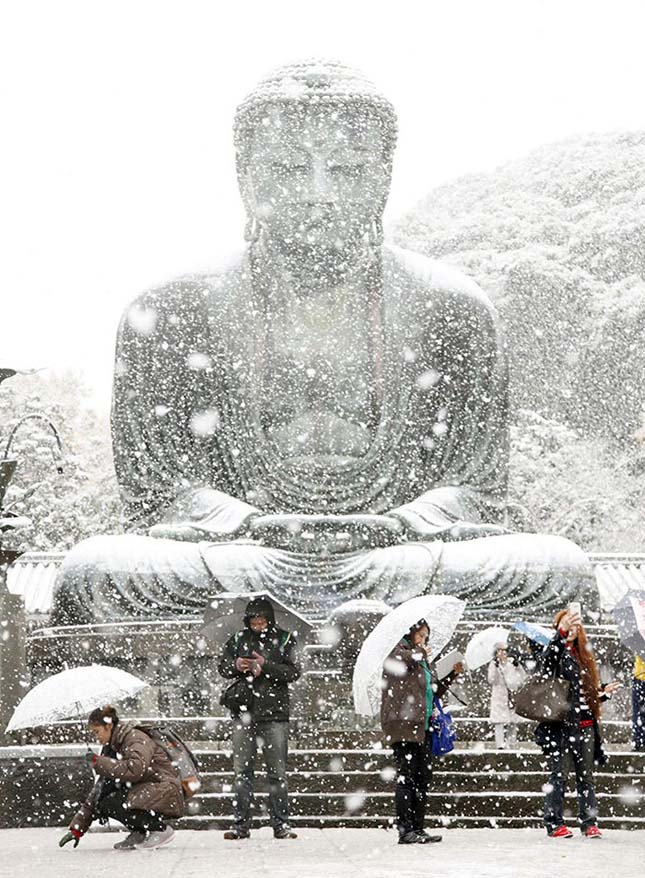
x=429 y=277
x=189 y=293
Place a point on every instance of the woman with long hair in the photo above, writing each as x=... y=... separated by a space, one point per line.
x=575 y=742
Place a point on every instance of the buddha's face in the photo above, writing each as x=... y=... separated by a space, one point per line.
x=317 y=178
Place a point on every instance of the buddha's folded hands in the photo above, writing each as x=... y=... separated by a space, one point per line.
x=328 y=533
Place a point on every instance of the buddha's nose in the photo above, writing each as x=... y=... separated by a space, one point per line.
x=319 y=188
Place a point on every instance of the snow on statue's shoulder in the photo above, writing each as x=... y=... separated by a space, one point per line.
x=182 y=296
x=439 y=275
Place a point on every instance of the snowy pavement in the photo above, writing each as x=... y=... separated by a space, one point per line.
x=475 y=853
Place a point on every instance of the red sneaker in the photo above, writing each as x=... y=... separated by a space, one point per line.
x=593 y=832
x=561 y=832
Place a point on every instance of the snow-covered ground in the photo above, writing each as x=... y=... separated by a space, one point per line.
x=472 y=853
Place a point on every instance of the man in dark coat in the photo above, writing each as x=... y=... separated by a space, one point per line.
x=261 y=661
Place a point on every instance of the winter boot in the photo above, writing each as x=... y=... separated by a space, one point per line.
x=425 y=838
x=130 y=841
x=157 y=839
x=236 y=834
x=284 y=832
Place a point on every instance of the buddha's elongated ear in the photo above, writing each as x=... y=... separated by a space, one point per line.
x=253 y=227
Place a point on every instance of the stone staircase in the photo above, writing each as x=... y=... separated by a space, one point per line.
x=471 y=787
x=338 y=778
x=340 y=773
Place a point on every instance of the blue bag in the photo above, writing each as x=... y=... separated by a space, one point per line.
x=443 y=730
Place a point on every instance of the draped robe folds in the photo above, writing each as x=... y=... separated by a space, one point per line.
x=195 y=463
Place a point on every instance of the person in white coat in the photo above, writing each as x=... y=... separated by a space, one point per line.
x=505 y=677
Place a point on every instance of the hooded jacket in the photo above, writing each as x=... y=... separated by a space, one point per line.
x=269 y=692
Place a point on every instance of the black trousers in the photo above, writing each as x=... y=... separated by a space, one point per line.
x=114 y=804
x=638 y=713
x=414 y=767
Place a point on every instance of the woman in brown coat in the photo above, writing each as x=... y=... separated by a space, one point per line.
x=409 y=692
x=138 y=784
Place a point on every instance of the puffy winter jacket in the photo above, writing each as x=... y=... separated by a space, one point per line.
x=154 y=783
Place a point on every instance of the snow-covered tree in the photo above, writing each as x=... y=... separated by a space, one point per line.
x=64 y=507
x=570 y=484
x=558 y=241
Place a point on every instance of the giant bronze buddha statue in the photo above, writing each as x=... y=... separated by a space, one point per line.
x=325 y=417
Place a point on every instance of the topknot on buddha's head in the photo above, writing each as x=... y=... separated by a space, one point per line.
x=312 y=84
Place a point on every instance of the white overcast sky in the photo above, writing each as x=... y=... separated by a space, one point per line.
x=116 y=152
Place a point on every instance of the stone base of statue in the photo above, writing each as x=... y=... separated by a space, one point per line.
x=181 y=667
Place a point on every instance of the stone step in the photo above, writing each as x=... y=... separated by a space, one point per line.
x=465 y=760
x=481 y=729
x=511 y=803
x=42 y=785
x=442 y=781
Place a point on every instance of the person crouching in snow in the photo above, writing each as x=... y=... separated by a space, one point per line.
x=138 y=785
x=505 y=677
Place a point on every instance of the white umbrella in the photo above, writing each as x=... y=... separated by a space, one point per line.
x=481 y=647
x=440 y=612
x=73 y=693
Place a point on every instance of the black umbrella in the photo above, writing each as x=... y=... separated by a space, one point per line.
x=225 y=614
x=629 y=614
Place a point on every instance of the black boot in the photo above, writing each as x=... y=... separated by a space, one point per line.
x=424 y=838
x=236 y=834
x=284 y=832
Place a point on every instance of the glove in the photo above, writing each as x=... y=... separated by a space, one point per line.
x=90 y=758
x=73 y=835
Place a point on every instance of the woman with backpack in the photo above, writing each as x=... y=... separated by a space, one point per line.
x=138 y=785
x=575 y=741
x=410 y=698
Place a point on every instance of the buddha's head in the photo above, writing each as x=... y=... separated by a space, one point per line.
x=314 y=145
